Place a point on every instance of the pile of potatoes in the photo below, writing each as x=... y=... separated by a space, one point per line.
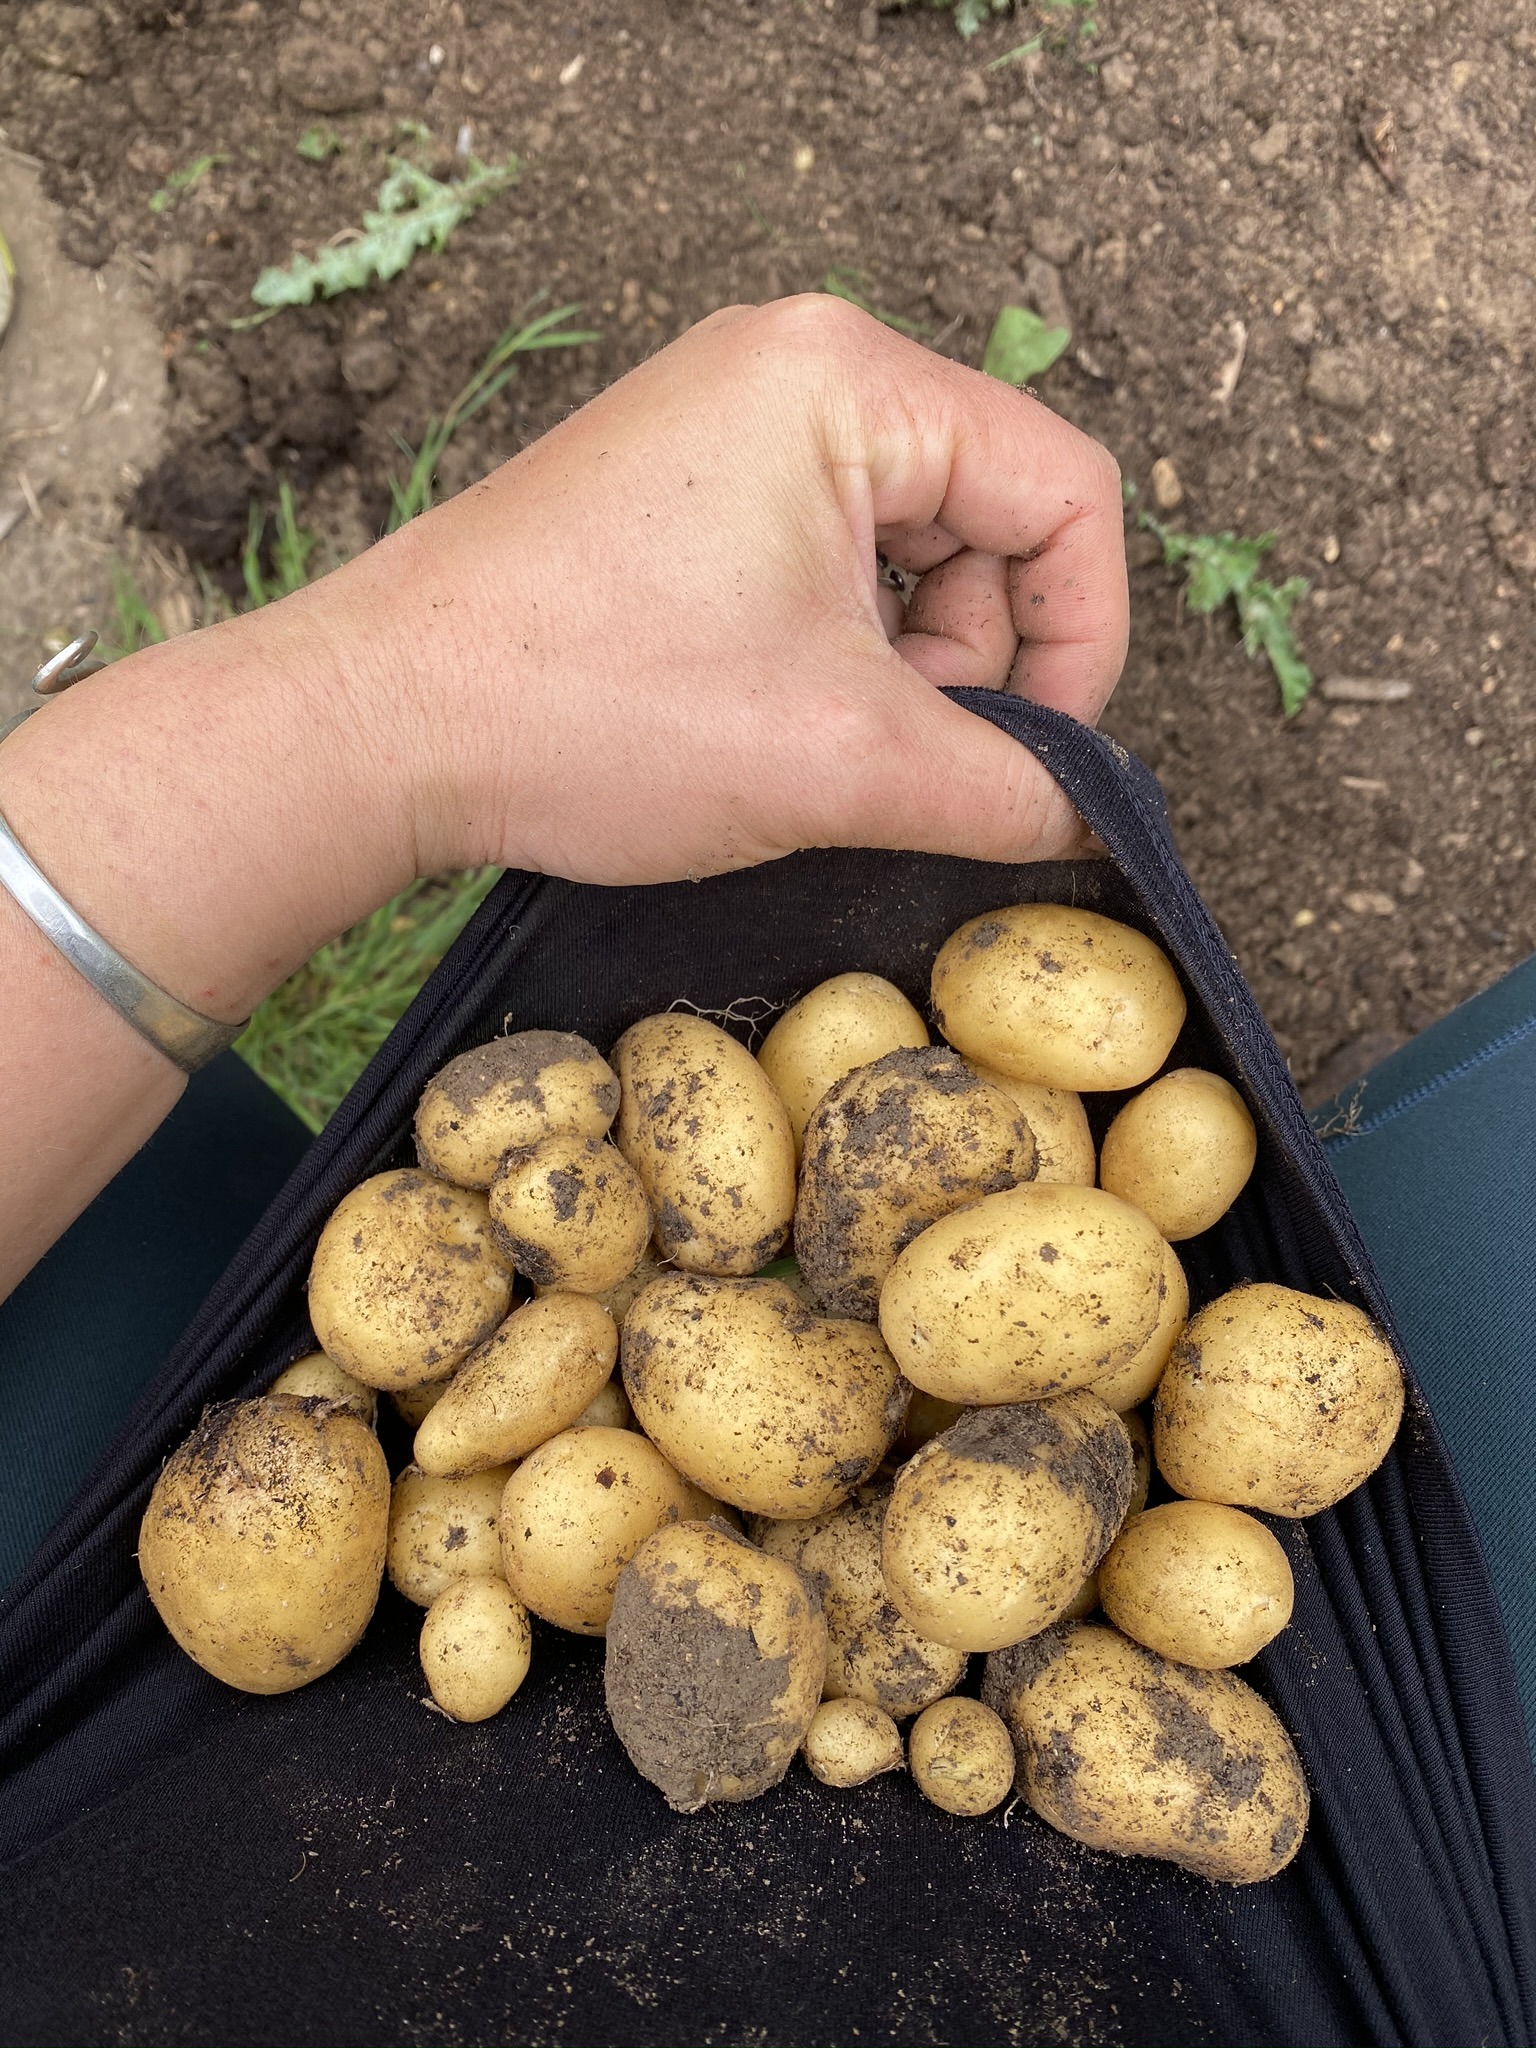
x=816 y=1486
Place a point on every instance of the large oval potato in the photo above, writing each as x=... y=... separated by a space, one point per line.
x=1182 y=1151
x=1026 y=1293
x=524 y=1385
x=570 y=1213
x=514 y=1091
x=839 y=1025
x=1060 y=996
x=1203 y=1584
x=1058 y=1121
x=714 y=1664
x=443 y=1529
x=711 y=1140
x=1123 y=1750
x=407 y=1279
x=758 y=1401
x=1276 y=1400
x=262 y=1546
x=888 y=1150
x=1136 y=1380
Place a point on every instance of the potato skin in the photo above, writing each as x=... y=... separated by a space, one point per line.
x=758 y=1401
x=414 y=1404
x=511 y=1092
x=406 y=1280
x=849 y=1742
x=524 y=1385
x=1276 y=1400
x=706 y=1131
x=838 y=1025
x=961 y=1756
x=888 y=1150
x=262 y=1546
x=570 y=1213
x=714 y=1665
x=1136 y=1381
x=1059 y=996
x=315 y=1375
x=1125 y=1751
x=1202 y=1584
x=442 y=1530
x=1182 y=1151
x=1024 y=1294
x=476 y=1646
x=1059 y=1124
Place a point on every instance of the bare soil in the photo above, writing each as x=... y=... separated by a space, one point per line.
x=1296 y=241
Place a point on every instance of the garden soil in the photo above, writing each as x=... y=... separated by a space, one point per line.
x=1295 y=241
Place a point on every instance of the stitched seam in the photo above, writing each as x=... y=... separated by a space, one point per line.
x=1426 y=1090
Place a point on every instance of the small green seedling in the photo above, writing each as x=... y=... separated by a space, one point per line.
x=1021 y=347
x=853 y=285
x=317 y=145
x=1222 y=566
x=292 y=547
x=179 y=183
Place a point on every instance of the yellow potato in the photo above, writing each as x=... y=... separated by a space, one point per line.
x=1203 y=1584
x=1182 y=1151
x=1059 y=996
x=414 y=1404
x=1086 y=1599
x=407 y=1280
x=1276 y=1400
x=1026 y=1293
x=570 y=1213
x=441 y=1530
x=711 y=1140
x=608 y=1408
x=514 y=1091
x=841 y=1024
x=1136 y=1381
x=526 y=1384
x=962 y=1757
x=315 y=1377
x=617 y=1299
x=475 y=1647
x=849 y=1742
x=927 y=1416
x=1059 y=1122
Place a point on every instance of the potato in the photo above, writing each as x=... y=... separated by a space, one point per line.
x=759 y=1402
x=414 y=1404
x=475 y=1647
x=262 y=1546
x=888 y=1150
x=406 y=1280
x=849 y=1742
x=314 y=1376
x=1124 y=1751
x=608 y=1408
x=841 y=1024
x=714 y=1663
x=1276 y=1400
x=570 y=1213
x=514 y=1091
x=1086 y=1599
x=526 y=1384
x=926 y=1417
x=1136 y=1381
x=1024 y=1294
x=1059 y=1124
x=993 y=1526
x=442 y=1530
x=962 y=1757
x=575 y=1512
x=617 y=1299
x=1203 y=1584
x=1059 y=996
x=872 y=1653
x=1182 y=1151
x=711 y=1140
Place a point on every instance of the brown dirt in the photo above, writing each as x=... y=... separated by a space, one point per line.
x=1352 y=185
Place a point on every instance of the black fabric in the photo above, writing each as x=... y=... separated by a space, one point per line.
x=184 y=1864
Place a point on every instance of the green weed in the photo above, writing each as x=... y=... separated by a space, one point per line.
x=853 y=285
x=318 y=144
x=1222 y=566
x=134 y=624
x=182 y=182
x=1021 y=347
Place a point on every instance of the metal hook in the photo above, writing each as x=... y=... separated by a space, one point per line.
x=72 y=664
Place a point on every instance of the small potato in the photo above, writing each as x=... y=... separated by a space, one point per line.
x=962 y=1757
x=570 y=1213
x=1277 y=1401
x=1059 y=996
x=1182 y=1151
x=711 y=1140
x=407 y=1280
x=414 y=1404
x=927 y=1416
x=442 y=1530
x=608 y=1408
x=617 y=1299
x=514 y=1091
x=575 y=1512
x=841 y=1024
x=849 y=1742
x=888 y=1150
x=1026 y=1293
x=1203 y=1584
x=475 y=1647
x=315 y=1377
x=526 y=1384
x=262 y=1546
x=759 y=1402
x=1136 y=1381
x=993 y=1526
x=714 y=1663
x=1059 y=1123
x=1124 y=1751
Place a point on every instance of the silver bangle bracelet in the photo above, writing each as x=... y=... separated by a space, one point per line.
x=184 y=1036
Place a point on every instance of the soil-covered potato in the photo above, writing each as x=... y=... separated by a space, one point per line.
x=514 y=1091
x=1136 y=1381
x=1086 y=1599
x=849 y=1742
x=1024 y=1294
x=476 y=1645
x=714 y=1665
x=993 y=1526
x=1060 y=996
x=927 y=1417
x=407 y=1279
x=316 y=1376
x=1059 y=1123
x=1203 y=1584
x=1123 y=1750
x=888 y=1150
x=570 y=1213
x=873 y=1654
x=414 y=1404
x=528 y=1382
x=262 y=1546
x=711 y=1140
x=961 y=1756
x=608 y=1408
x=1276 y=1400
x=758 y=1401
x=441 y=1530
x=1182 y=1151
x=839 y=1025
